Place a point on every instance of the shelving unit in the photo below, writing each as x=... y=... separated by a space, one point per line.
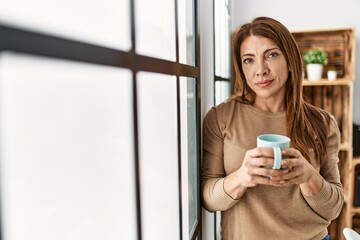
x=354 y=210
x=336 y=97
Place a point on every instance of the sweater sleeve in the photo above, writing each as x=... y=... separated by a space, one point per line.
x=329 y=201
x=213 y=173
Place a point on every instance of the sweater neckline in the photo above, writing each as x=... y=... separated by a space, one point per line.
x=265 y=113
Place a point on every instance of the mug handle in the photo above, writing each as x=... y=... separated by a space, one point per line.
x=277 y=158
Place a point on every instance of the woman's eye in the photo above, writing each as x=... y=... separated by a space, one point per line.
x=247 y=60
x=273 y=54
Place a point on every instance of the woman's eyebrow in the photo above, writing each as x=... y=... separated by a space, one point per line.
x=266 y=51
x=247 y=55
x=271 y=49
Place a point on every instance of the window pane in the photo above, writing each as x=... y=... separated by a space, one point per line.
x=222 y=38
x=222 y=91
x=192 y=154
x=66 y=147
x=189 y=154
x=105 y=22
x=155 y=28
x=158 y=156
x=186 y=31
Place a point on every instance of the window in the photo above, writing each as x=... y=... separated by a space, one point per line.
x=189 y=155
x=99 y=120
x=222 y=63
x=222 y=56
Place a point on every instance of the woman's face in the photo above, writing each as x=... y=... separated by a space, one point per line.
x=264 y=67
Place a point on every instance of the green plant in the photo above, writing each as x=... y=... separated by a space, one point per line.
x=316 y=55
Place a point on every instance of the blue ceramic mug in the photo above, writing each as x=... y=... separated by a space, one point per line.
x=277 y=142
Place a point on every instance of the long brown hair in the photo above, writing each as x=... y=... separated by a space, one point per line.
x=307 y=126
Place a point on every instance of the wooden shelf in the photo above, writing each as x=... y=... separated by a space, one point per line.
x=355 y=210
x=325 y=82
x=345 y=147
x=356 y=161
x=335 y=97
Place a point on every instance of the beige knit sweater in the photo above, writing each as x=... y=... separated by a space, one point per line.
x=264 y=212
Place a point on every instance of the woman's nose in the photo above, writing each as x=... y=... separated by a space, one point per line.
x=262 y=68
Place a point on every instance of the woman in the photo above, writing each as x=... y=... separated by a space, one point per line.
x=295 y=202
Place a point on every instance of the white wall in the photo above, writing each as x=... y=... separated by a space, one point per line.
x=307 y=14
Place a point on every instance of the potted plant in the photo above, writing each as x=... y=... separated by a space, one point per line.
x=331 y=73
x=315 y=59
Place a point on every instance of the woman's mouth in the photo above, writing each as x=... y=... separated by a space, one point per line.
x=264 y=83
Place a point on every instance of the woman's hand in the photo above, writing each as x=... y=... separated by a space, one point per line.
x=253 y=172
x=300 y=172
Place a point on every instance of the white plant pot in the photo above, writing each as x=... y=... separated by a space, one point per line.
x=314 y=71
x=331 y=75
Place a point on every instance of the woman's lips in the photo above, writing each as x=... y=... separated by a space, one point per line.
x=264 y=83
